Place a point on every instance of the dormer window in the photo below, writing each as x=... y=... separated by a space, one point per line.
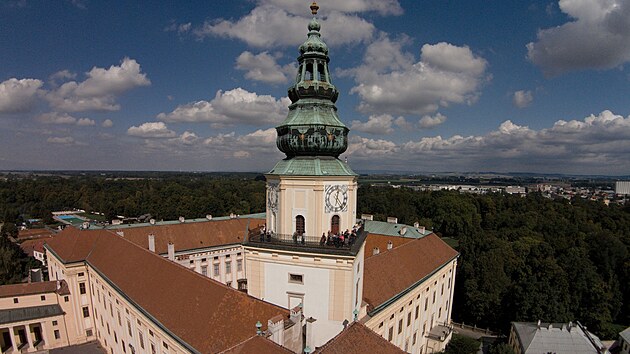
x=375 y=251
x=390 y=245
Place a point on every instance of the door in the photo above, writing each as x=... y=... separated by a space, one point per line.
x=334 y=224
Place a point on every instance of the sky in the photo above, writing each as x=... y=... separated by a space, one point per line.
x=425 y=86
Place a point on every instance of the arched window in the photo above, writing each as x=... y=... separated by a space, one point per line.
x=334 y=224
x=299 y=225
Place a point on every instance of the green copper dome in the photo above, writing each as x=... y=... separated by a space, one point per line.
x=312 y=127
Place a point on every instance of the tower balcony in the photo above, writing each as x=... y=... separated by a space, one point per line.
x=306 y=243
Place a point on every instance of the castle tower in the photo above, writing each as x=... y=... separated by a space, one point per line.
x=310 y=193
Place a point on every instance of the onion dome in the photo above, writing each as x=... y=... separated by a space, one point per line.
x=312 y=126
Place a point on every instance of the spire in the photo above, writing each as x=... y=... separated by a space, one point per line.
x=312 y=127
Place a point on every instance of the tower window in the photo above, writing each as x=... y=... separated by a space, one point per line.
x=308 y=75
x=321 y=72
x=299 y=225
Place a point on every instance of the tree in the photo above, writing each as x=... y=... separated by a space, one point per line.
x=462 y=345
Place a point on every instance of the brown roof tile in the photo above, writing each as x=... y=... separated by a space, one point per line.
x=380 y=242
x=390 y=273
x=28 y=288
x=29 y=246
x=258 y=345
x=206 y=314
x=73 y=245
x=188 y=236
x=357 y=338
x=34 y=233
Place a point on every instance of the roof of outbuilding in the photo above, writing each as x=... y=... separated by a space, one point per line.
x=558 y=338
x=357 y=338
x=393 y=229
x=625 y=334
x=22 y=289
x=381 y=241
x=391 y=273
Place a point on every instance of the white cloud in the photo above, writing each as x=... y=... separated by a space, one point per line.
x=382 y=7
x=390 y=81
x=596 y=37
x=188 y=138
x=522 y=98
x=379 y=124
x=598 y=143
x=86 y=122
x=60 y=76
x=99 y=90
x=64 y=118
x=18 y=95
x=179 y=28
x=151 y=130
x=268 y=25
x=428 y=122
x=236 y=106
x=263 y=67
x=107 y=123
x=66 y=140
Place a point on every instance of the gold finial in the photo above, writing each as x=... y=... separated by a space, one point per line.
x=314 y=8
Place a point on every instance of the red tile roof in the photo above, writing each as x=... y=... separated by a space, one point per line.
x=357 y=338
x=380 y=242
x=390 y=273
x=34 y=233
x=205 y=314
x=188 y=236
x=258 y=345
x=29 y=288
x=73 y=245
x=29 y=246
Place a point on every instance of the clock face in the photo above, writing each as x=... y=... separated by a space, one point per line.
x=272 y=197
x=336 y=198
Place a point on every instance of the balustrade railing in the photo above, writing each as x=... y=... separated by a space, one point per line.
x=301 y=240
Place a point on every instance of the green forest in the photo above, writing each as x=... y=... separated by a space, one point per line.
x=522 y=259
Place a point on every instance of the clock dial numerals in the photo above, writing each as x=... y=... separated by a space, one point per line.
x=272 y=197
x=336 y=198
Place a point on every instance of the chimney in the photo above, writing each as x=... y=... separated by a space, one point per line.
x=182 y=219
x=209 y=217
x=275 y=326
x=416 y=224
x=421 y=229
x=367 y=217
x=58 y=285
x=390 y=245
x=152 y=242
x=171 y=251
x=403 y=231
x=152 y=221
x=392 y=220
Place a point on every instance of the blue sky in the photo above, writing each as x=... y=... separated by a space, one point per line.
x=427 y=86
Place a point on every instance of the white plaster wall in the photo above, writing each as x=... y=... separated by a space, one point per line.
x=316 y=289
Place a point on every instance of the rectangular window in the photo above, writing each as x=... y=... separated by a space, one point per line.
x=414 y=338
x=204 y=271
x=424 y=328
x=409 y=319
x=54 y=323
x=86 y=311
x=417 y=310
x=16 y=300
x=57 y=335
x=216 y=270
x=123 y=345
x=66 y=299
x=228 y=267
x=239 y=265
x=89 y=333
x=81 y=288
x=43 y=297
x=141 y=339
x=400 y=325
x=115 y=337
x=129 y=328
x=80 y=274
x=434 y=296
x=426 y=303
x=439 y=313
x=390 y=336
x=296 y=278
x=165 y=345
x=152 y=348
x=119 y=321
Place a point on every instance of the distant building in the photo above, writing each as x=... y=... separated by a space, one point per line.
x=622 y=187
x=557 y=338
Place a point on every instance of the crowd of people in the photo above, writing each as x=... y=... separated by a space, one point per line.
x=332 y=239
